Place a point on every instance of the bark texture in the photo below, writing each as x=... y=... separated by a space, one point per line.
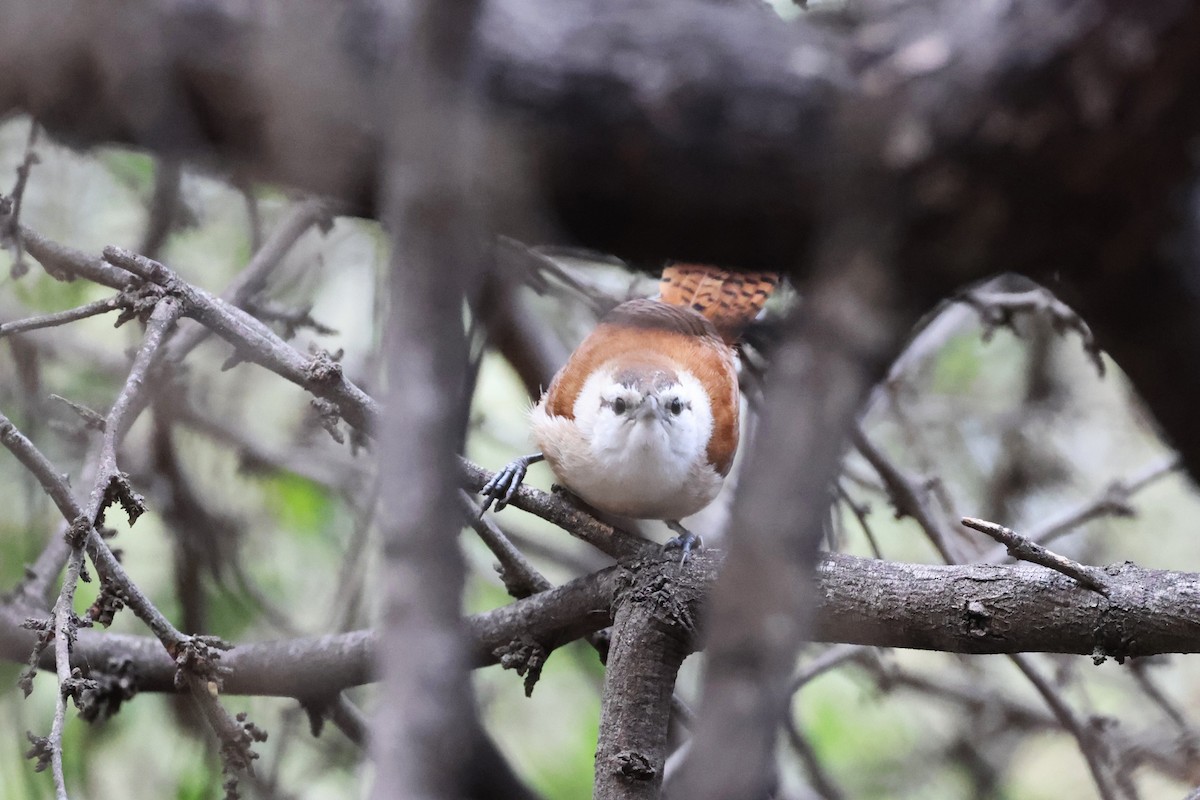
x=976 y=608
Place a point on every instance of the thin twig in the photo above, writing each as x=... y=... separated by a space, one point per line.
x=92 y=420
x=998 y=309
x=62 y=317
x=67 y=263
x=535 y=264
x=351 y=573
x=253 y=278
x=925 y=462
x=904 y=493
x=529 y=346
x=1112 y=501
x=253 y=214
x=302 y=216
x=822 y=783
x=129 y=403
x=520 y=577
x=1188 y=742
x=236 y=735
x=1089 y=745
x=54 y=484
x=613 y=541
x=338 y=471
x=291 y=319
x=575 y=561
x=254 y=341
x=1140 y=675
x=1025 y=550
x=10 y=230
x=826 y=661
x=832 y=657
x=970 y=697
x=860 y=513
x=66 y=625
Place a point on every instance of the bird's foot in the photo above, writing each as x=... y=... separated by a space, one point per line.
x=684 y=539
x=504 y=484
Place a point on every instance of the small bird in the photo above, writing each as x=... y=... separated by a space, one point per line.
x=642 y=421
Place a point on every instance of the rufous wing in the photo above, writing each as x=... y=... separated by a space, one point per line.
x=729 y=299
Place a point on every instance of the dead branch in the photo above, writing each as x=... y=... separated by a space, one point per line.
x=958 y=609
x=654 y=622
x=1023 y=549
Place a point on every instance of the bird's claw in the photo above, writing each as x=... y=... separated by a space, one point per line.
x=685 y=540
x=505 y=483
x=501 y=488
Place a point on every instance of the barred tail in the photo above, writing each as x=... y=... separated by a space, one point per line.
x=730 y=300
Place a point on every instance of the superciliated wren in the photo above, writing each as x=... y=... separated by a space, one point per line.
x=642 y=421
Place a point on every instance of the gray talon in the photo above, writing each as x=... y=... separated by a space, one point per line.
x=685 y=540
x=504 y=484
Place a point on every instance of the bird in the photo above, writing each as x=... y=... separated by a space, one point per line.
x=642 y=420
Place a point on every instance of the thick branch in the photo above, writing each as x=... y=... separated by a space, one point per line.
x=752 y=94
x=743 y=88
x=975 y=609
x=964 y=609
x=420 y=737
x=653 y=630
x=1014 y=134
x=319 y=666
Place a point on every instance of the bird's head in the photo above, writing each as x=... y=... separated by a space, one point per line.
x=651 y=412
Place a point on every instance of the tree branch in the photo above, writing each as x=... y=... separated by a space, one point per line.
x=654 y=622
x=421 y=737
x=993 y=124
x=61 y=317
x=1023 y=549
x=958 y=609
x=608 y=539
x=320 y=666
x=254 y=341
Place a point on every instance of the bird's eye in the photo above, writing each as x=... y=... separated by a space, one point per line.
x=619 y=406
x=675 y=406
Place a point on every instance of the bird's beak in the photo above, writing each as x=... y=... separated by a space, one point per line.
x=651 y=408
